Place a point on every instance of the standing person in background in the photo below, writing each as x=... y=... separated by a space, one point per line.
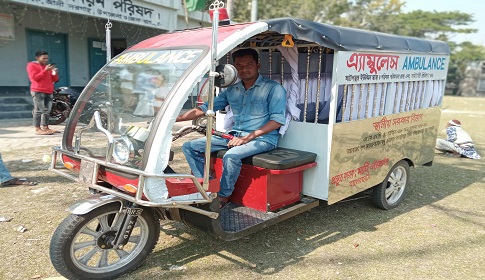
x=42 y=76
x=458 y=142
x=160 y=92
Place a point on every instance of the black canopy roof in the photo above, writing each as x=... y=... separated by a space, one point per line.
x=350 y=39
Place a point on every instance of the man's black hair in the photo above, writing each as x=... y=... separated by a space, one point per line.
x=40 y=52
x=244 y=52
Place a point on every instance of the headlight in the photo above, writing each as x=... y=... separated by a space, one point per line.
x=123 y=150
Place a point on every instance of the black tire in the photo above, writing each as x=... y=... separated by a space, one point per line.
x=59 y=113
x=390 y=192
x=76 y=247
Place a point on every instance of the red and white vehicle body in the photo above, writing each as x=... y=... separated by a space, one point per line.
x=362 y=108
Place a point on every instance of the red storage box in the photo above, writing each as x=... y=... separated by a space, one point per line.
x=271 y=180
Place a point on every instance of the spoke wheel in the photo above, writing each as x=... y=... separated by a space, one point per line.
x=390 y=193
x=81 y=246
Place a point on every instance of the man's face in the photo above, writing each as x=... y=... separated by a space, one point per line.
x=43 y=59
x=247 y=68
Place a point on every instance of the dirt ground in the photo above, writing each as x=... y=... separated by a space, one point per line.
x=437 y=233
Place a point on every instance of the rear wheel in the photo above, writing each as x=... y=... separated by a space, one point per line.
x=80 y=247
x=390 y=192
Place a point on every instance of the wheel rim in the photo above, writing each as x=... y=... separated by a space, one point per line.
x=396 y=184
x=86 y=249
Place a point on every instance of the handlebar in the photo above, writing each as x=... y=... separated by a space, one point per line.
x=222 y=134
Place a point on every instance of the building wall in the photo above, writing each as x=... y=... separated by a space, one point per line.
x=78 y=28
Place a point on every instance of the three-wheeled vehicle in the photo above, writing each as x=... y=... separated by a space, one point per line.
x=362 y=108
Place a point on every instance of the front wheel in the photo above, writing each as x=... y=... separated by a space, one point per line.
x=390 y=192
x=60 y=112
x=81 y=249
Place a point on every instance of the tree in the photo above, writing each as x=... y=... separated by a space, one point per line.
x=327 y=11
x=435 y=24
x=378 y=15
x=461 y=55
x=375 y=15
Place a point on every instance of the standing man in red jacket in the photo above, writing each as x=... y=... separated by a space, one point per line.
x=42 y=76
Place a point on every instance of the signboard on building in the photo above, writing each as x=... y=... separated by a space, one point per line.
x=131 y=11
x=6 y=27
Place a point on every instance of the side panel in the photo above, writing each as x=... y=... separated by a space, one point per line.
x=389 y=112
x=364 y=151
x=311 y=137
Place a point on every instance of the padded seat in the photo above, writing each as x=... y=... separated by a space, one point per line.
x=277 y=159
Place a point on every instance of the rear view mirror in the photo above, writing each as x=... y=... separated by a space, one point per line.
x=227 y=75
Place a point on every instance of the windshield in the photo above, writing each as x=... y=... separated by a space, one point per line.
x=128 y=93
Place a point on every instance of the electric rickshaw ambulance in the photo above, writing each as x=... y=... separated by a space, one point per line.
x=362 y=108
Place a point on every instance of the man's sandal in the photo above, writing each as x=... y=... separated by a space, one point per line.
x=18 y=182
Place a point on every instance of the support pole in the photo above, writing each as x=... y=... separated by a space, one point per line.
x=108 y=58
x=214 y=7
x=108 y=40
x=254 y=10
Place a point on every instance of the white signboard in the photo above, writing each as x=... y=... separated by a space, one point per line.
x=6 y=27
x=135 y=12
x=360 y=67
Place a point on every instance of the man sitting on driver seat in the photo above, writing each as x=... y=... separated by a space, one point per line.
x=259 y=107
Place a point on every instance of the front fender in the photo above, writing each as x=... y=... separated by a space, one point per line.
x=86 y=205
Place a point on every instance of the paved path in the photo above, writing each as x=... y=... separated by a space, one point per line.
x=20 y=134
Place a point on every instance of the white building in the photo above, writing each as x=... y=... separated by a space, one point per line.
x=74 y=34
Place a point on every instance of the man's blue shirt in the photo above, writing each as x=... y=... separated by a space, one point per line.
x=253 y=108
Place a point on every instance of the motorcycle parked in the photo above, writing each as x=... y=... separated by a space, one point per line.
x=61 y=105
x=97 y=103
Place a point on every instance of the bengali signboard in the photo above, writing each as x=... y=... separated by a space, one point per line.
x=363 y=152
x=131 y=11
x=360 y=67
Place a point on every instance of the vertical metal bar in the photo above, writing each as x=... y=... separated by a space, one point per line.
x=396 y=98
x=210 y=102
x=108 y=40
x=374 y=111
x=282 y=69
x=141 y=185
x=383 y=98
x=306 y=84
x=423 y=94
x=409 y=96
x=432 y=94
x=403 y=98
x=367 y=102
x=317 y=105
x=413 y=100
x=352 y=101
x=270 y=54
x=344 y=101
x=418 y=95
x=361 y=93
x=109 y=108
